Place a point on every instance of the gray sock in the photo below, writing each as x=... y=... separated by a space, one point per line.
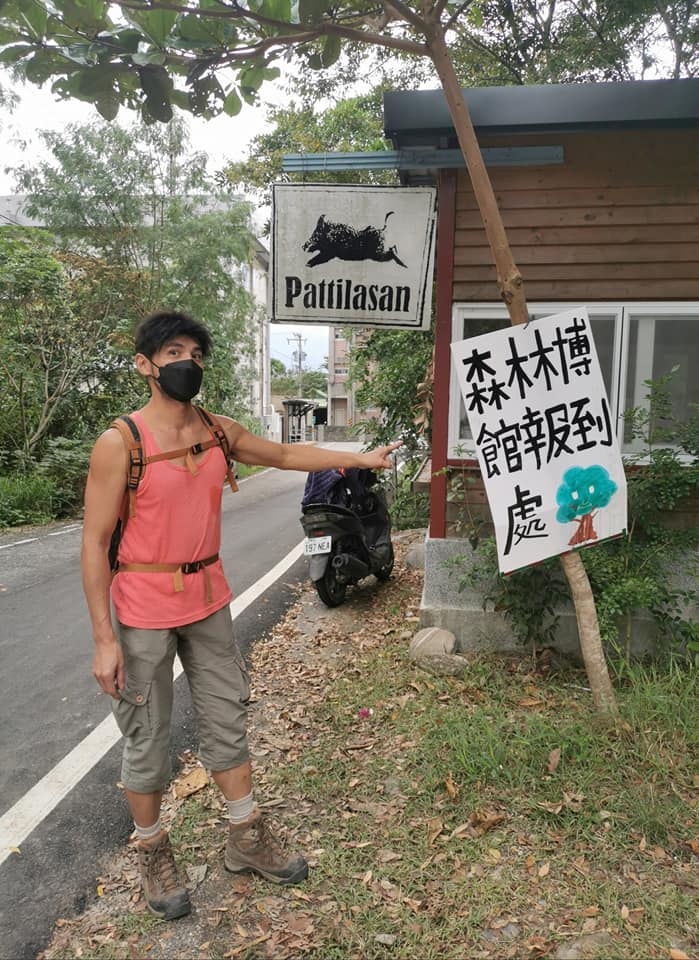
x=147 y=833
x=241 y=810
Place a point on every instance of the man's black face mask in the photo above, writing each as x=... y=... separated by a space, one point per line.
x=180 y=380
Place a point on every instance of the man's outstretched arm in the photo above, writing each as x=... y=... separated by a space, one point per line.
x=247 y=448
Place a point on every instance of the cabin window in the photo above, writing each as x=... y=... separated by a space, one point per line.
x=635 y=342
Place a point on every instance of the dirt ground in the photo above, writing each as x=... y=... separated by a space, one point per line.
x=288 y=671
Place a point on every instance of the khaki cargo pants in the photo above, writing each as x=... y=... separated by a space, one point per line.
x=220 y=689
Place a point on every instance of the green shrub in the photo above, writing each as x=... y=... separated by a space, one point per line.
x=26 y=498
x=65 y=466
x=409 y=510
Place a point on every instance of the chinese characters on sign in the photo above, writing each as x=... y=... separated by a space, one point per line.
x=546 y=443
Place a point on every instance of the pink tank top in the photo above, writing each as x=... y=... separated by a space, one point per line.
x=177 y=520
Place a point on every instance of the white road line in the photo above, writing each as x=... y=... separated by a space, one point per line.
x=29 y=811
x=17 y=543
x=59 y=533
x=252 y=593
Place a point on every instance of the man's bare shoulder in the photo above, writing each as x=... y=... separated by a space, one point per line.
x=233 y=429
x=109 y=448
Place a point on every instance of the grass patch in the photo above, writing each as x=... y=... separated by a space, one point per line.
x=480 y=818
x=494 y=816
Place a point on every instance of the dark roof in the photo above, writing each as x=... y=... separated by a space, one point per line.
x=421 y=116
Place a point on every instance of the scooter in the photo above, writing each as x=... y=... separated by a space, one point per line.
x=348 y=531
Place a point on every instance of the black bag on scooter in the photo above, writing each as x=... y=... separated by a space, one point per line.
x=348 y=531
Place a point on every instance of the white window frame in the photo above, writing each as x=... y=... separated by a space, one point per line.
x=623 y=312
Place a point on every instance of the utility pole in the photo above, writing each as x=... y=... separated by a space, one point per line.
x=299 y=357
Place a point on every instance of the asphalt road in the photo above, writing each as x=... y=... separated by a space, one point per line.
x=50 y=701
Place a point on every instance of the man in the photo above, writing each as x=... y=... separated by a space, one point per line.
x=171 y=596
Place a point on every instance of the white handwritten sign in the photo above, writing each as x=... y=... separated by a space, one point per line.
x=545 y=439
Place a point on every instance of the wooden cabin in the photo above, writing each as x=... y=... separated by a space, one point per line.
x=598 y=186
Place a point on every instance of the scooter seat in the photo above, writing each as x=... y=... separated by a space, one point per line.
x=333 y=507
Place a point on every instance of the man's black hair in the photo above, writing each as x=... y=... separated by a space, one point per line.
x=154 y=331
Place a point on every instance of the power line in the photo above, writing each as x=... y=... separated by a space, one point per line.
x=299 y=357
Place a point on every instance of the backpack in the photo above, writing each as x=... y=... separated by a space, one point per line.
x=138 y=463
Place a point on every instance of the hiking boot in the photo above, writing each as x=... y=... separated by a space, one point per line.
x=166 y=896
x=253 y=848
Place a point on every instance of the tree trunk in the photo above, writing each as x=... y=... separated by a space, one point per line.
x=588 y=631
x=509 y=277
x=512 y=292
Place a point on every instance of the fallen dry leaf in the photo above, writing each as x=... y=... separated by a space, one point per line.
x=452 y=788
x=388 y=856
x=551 y=807
x=676 y=954
x=194 y=781
x=434 y=828
x=554 y=760
x=300 y=895
x=246 y=946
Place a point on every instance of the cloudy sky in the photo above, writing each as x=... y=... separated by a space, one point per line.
x=224 y=138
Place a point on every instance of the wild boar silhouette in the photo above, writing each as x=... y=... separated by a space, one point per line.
x=344 y=242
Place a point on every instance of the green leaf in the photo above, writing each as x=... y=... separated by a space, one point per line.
x=7 y=35
x=180 y=98
x=96 y=83
x=15 y=53
x=249 y=95
x=331 y=50
x=232 y=105
x=276 y=9
x=150 y=56
x=197 y=31
x=314 y=61
x=252 y=78
x=81 y=53
x=42 y=66
x=127 y=39
x=312 y=11
x=35 y=16
x=157 y=24
x=206 y=95
x=157 y=86
x=88 y=15
x=475 y=15
x=108 y=107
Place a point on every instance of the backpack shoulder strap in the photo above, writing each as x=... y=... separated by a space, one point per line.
x=213 y=425
x=136 y=458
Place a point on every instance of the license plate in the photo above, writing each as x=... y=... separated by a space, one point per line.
x=314 y=545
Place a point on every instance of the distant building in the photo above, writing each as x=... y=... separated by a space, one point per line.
x=343 y=412
x=12 y=212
